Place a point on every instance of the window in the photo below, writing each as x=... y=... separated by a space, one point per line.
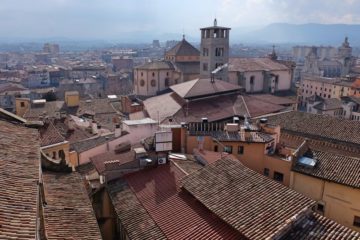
x=205 y=52
x=153 y=83
x=142 y=82
x=356 y=221
x=205 y=67
x=141 y=73
x=153 y=74
x=252 y=79
x=54 y=155
x=219 y=52
x=22 y=104
x=241 y=150
x=320 y=207
x=167 y=82
x=266 y=172
x=278 y=176
x=167 y=74
x=228 y=149
x=216 y=148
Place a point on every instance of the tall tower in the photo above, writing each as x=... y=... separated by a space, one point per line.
x=214 y=51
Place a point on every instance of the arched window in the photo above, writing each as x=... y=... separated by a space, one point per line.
x=167 y=82
x=153 y=74
x=142 y=82
x=252 y=79
x=62 y=154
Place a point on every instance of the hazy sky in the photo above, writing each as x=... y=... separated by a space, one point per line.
x=102 y=19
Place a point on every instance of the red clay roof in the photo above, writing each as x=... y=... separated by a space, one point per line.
x=203 y=87
x=19 y=167
x=254 y=205
x=176 y=212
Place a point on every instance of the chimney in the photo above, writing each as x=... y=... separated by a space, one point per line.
x=262 y=123
x=94 y=127
x=117 y=130
x=236 y=120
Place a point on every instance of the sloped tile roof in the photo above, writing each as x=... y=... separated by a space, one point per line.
x=156 y=65
x=157 y=199
x=317 y=227
x=332 y=167
x=203 y=87
x=257 y=207
x=255 y=64
x=183 y=48
x=318 y=126
x=19 y=167
x=68 y=213
x=49 y=135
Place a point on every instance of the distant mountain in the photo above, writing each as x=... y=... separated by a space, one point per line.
x=312 y=33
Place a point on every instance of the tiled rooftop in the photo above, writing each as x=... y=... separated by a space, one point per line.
x=332 y=167
x=318 y=126
x=317 y=227
x=255 y=64
x=153 y=199
x=19 y=167
x=49 y=135
x=68 y=213
x=257 y=207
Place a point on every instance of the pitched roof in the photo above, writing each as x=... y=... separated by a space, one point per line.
x=318 y=126
x=203 y=87
x=274 y=99
x=231 y=191
x=187 y=67
x=68 y=213
x=332 y=167
x=133 y=216
x=329 y=104
x=318 y=227
x=50 y=135
x=19 y=167
x=84 y=145
x=255 y=64
x=183 y=48
x=49 y=109
x=153 y=196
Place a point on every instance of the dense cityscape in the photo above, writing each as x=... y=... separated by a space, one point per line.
x=198 y=137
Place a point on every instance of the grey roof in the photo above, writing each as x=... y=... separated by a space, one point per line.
x=89 y=143
x=329 y=104
x=255 y=64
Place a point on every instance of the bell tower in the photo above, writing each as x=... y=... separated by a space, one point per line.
x=214 y=51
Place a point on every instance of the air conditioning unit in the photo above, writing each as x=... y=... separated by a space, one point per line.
x=161 y=160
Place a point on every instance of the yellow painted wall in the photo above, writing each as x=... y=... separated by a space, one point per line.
x=73 y=156
x=19 y=110
x=72 y=100
x=342 y=203
x=254 y=156
x=56 y=148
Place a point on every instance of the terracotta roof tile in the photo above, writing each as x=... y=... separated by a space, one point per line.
x=332 y=167
x=68 y=213
x=255 y=64
x=257 y=207
x=50 y=135
x=317 y=227
x=318 y=126
x=183 y=48
x=19 y=167
x=175 y=212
